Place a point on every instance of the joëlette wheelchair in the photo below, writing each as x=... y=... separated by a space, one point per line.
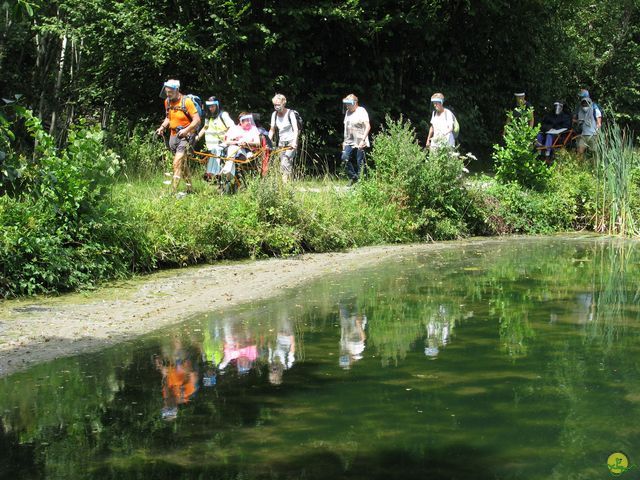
x=247 y=166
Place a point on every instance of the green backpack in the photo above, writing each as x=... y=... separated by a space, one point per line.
x=456 y=126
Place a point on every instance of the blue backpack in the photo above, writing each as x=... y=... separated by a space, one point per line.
x=596 y=107
x=197 y=101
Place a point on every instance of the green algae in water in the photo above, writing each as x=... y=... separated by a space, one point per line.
x=515 y=359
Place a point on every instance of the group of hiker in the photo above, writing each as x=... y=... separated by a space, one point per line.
x=229 y=143
x=226 y=141
x=585 y=121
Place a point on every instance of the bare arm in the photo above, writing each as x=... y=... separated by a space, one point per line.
x=195 y=121
x=201 y=132
x=367 y=129
x=344 y=136
x=272 y=130
x=429 y=135
x=163 y=126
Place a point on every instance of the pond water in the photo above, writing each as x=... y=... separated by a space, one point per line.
x=506 y=360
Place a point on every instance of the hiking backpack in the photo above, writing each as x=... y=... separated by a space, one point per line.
x=595 y=107
x=299 y=121
x=456 y=126
x=197 y=101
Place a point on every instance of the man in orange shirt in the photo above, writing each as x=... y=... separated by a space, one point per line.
x=183 y=120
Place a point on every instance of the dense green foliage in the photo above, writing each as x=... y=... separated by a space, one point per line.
x=66 y=224
x=60 y=229
x=516 y=161
x=429 y=186
x=106 y=60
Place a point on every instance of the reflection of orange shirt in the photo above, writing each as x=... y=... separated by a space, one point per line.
x=181 y=384
x=177 y=117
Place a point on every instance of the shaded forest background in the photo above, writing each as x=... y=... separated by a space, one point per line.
x=105 y=60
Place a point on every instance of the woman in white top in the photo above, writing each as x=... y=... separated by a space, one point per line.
x=441 y=130
x=356 y=137
x=285 y=121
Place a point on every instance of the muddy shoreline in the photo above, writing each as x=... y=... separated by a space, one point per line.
x=36 y=330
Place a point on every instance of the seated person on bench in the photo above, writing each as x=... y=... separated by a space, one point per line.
x=554 y=123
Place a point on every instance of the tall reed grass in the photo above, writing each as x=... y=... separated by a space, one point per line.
x=616 y=163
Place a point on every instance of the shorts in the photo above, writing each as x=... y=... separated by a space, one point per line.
x=286 y=159
x=180 y=145
x=586 y=141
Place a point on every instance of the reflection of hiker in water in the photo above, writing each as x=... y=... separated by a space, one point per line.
x=282 y=355
x=238 y=346
x=179 y=380
x=352 y=336
x=585 y=307
x=212 y=354
x=438 y=330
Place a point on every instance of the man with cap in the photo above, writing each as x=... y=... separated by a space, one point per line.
x=555 y=122
x=523 y=107
x=183 y=120
x=587 y=120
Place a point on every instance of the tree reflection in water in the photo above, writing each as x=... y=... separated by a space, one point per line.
x=535 y=340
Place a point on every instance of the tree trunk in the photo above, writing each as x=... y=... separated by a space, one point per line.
x=40 y=75
x=56 y=92
x=5 y=34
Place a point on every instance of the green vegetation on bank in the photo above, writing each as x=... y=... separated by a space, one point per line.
x=76 y=215
x=74 y=59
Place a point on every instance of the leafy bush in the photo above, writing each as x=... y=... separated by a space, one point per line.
x=60 y=230
x=430 y=186
x=574 y=180
x=517 y=161
x=39 y=254
x=509 y=208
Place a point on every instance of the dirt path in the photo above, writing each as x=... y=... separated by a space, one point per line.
x=41 y=329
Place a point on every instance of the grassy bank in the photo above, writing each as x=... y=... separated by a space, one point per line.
x=82 y=215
